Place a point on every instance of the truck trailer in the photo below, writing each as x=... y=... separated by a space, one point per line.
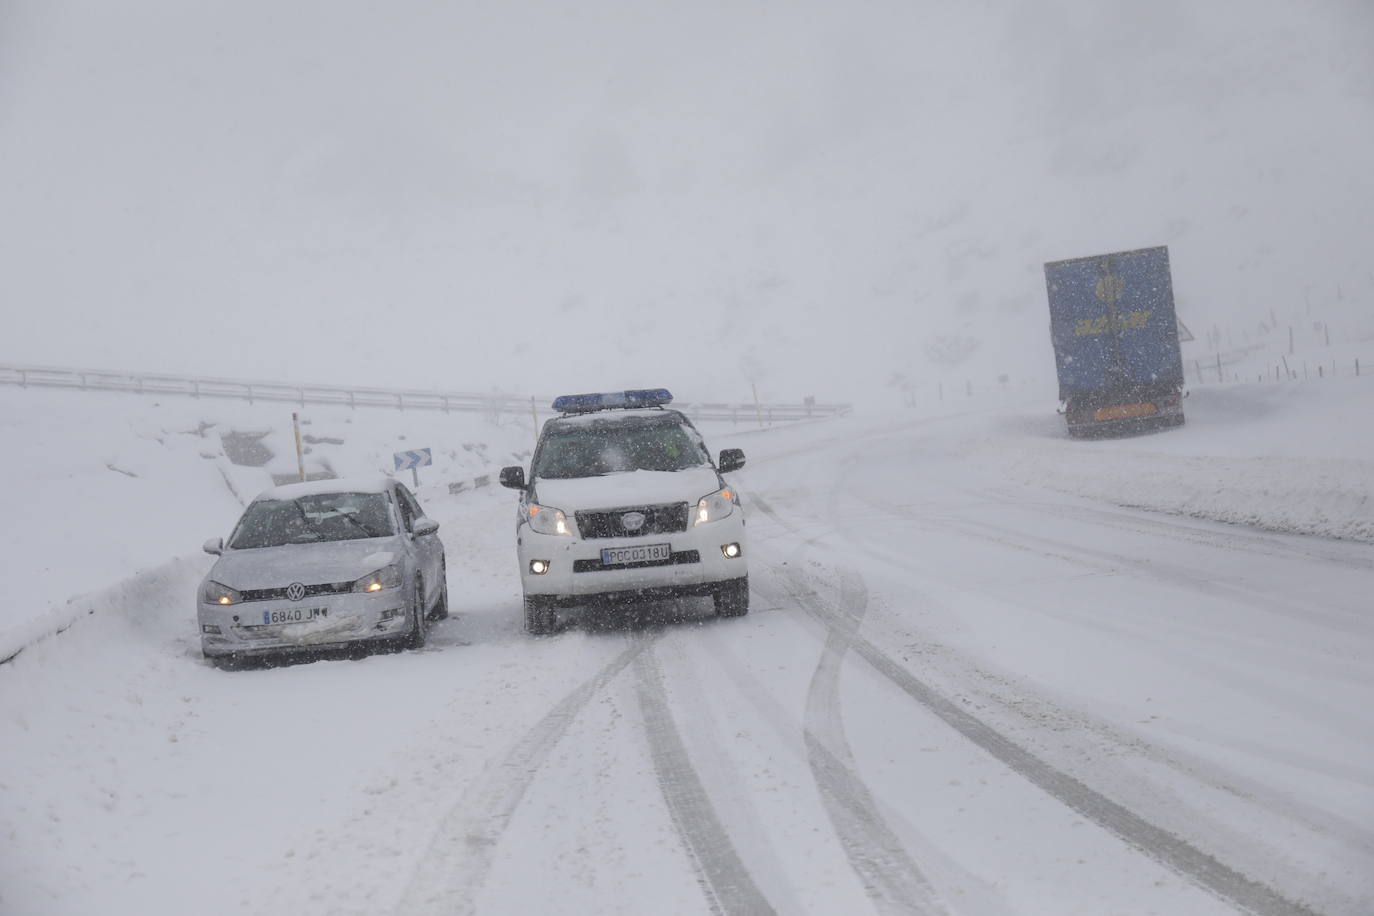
x=1116 y=341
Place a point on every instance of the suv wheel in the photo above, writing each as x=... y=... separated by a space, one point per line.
x=540 y=615
x=732 y=598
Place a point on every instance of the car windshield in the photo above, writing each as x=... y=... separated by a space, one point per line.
x=594 y=449
x=320 y=517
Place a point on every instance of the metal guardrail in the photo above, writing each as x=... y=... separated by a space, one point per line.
x=396 y=398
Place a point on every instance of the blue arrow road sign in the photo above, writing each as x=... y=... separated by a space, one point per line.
x=419 y=458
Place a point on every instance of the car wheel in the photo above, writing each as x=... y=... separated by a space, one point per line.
x=541 y=615
x=440 y=609
x=732 y=598
x=419 y=631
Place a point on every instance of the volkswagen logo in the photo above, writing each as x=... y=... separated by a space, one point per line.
x=295 y=591
x=632 y=521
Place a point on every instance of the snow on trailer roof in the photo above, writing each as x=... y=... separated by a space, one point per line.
x=375 y=484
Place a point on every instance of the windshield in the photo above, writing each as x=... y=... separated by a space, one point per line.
x=322 y=517
x=591 y=450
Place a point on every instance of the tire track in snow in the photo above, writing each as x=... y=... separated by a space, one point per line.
x=1174 y=527
x=723 y=877
x=1098 y=560
x=1160 y=845
x=889 y=876
x=454 y=867
x=1169 y=850
x=1108 y=563
x=845 y=784
x=1191 y=766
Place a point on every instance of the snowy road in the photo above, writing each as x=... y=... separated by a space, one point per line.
x=952 y=695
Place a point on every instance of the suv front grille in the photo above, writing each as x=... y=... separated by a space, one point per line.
x=664 y=519
x=680 y=558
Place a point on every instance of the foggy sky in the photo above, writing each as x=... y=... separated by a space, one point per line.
x=551 y=197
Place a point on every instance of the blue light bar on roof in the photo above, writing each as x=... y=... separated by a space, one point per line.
x=636 y=397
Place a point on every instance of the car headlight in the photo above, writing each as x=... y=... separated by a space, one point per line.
x=715 y=506
x=386 y=577
x=215 y=593
x=547 y=520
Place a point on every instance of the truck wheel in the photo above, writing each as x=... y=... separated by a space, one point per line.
x=540 y=615
x=732 y=598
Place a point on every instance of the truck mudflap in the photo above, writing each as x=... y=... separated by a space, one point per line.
x=1130 y=413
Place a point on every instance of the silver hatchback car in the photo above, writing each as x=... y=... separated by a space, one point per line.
x=324 y=564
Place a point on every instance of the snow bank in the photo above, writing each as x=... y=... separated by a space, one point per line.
x=1326 y=497
x=1295 y=457
x=105 y=484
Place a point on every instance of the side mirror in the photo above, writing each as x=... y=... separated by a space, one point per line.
x=424 y=526
x=731 y=459
x=214 y=546
x=513 y=477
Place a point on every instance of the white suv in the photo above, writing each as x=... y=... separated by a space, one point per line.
x=623 y=500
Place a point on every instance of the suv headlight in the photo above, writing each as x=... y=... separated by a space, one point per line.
x=715 y=506
x=386 y=577
x=547 y=520
x=216 y=593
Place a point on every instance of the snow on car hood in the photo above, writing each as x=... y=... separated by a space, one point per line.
x=309 y=564
x=633 y=488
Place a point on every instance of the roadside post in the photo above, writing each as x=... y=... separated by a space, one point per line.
x=300 y=454
x=417 y=458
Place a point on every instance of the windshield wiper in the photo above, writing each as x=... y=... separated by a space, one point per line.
x=353 y=521
x=310 y=526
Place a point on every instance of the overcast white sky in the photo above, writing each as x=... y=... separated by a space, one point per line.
x=546 y=197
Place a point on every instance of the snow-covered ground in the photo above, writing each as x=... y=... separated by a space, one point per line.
x=987 y=670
